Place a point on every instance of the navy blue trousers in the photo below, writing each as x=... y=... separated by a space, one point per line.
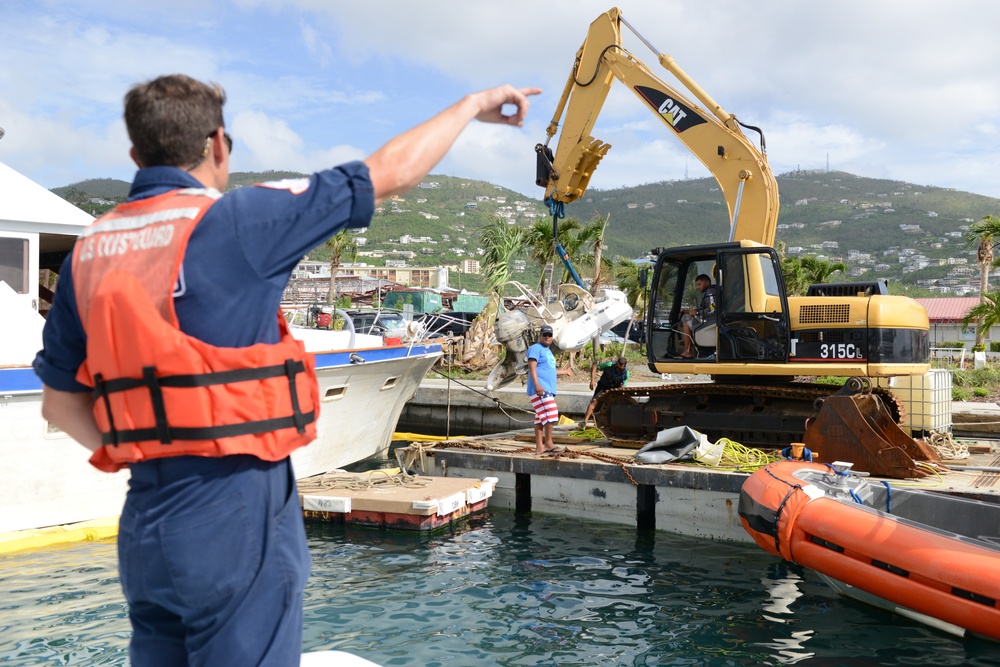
x=213 y=562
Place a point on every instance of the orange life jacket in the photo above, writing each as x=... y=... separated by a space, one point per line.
x=159 y=392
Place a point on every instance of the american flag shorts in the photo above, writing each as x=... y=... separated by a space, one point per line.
x=546 y=410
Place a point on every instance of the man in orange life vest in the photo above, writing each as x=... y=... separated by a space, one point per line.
x=164 y=352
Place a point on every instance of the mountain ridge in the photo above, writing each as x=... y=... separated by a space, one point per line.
x=911 y=232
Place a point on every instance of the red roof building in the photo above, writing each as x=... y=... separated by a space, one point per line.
x=946 y=315
x=948 y=309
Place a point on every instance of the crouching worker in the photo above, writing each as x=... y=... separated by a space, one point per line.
x=614 y=374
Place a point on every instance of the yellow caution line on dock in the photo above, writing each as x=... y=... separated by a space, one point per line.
x=417 y=437
x=420 y=437
x=37 y=538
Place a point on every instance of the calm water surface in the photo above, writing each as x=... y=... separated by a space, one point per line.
x=506 y=590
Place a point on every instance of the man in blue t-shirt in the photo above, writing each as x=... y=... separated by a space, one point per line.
x=212 y=552
x=542 y=374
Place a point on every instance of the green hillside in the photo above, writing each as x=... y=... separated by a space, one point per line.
x=870 y=212
x=880 y=228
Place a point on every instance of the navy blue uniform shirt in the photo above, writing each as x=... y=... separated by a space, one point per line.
x=237 y=263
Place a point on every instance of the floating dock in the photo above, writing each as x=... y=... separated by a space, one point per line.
x=392 y=500
x=594 y=479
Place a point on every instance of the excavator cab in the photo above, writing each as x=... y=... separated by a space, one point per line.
x=746 y=320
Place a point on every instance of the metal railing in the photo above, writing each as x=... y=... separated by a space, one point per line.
x=948 y=356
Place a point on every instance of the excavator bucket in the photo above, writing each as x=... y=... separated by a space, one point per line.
x=858 y=428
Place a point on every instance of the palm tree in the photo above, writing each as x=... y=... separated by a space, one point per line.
x=590 y=237
x=796 y=283
x=627 y=279
x=985 y=235
x=986 y=314
x=820 y=270
x=626 y=273
x=341 y=245
x=501 y=243
x=542 y=247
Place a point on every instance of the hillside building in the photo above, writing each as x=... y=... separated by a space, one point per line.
x=411 y=276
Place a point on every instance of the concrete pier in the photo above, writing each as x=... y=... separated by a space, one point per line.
x=595 y=480
x=442 y=407
x=975 y=420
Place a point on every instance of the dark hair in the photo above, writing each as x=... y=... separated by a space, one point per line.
x=170 y=118
x=703 y=276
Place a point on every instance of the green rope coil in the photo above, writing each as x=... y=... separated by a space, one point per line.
x=739 y=457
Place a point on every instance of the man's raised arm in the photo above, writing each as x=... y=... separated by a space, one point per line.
x=401 y=164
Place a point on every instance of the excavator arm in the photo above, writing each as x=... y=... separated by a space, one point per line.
x=713 y=135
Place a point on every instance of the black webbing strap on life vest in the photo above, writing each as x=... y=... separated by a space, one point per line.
x=99 y=393
x=159 y=407
x=166 y=434
x=206 y=432
x=293 y=368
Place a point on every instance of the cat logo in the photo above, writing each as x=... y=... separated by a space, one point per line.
x=674 y=113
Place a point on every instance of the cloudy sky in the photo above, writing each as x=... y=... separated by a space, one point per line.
x=906 y=90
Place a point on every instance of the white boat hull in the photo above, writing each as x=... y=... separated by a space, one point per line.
x=360 y=404
x=46 y=479
x=45 y=476
x=574 y=334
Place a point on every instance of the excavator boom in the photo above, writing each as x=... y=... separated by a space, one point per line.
x=713 y=136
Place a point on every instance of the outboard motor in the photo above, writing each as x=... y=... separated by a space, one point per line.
x=511 y=330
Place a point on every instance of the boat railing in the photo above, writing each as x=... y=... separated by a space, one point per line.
x=539 y=305
x=302 y=316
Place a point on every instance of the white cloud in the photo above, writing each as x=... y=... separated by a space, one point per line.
x=320 y=49
x=494 y=153
x=901 y=89
x=270 y=144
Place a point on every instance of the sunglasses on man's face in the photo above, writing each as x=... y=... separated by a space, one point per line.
x=225 y=137
x=208 y=145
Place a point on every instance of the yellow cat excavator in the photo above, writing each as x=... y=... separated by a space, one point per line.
x=744 y=331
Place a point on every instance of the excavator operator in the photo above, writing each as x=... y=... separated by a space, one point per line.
x=696 y=317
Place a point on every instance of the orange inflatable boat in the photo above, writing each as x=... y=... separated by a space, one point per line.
x=929 y=556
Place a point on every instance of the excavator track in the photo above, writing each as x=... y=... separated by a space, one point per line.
x=754 y=415
x=857 y=422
